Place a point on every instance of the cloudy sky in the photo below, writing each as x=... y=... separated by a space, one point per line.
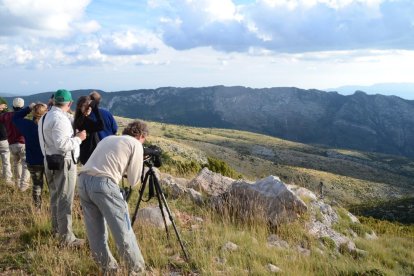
x=132 y=44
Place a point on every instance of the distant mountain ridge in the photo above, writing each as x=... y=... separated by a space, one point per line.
x=364 y=122
x=402 y=90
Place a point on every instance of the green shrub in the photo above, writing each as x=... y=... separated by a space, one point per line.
x=221 y=167
x=359 y=228
x=328 y=242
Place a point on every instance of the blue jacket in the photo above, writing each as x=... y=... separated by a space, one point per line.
x=28 y=129
x=110 y=126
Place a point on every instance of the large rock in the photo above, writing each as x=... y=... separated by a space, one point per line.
x=153 y=216
x=211 y=183
x=269 y=197
x=173 y=187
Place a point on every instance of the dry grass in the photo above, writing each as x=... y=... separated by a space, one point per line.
x=28 y=248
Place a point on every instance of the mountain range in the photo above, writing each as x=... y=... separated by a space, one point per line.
x=359 y=121
x=403 y=90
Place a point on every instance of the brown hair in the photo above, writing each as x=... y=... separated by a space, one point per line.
x=136 y=128
x=38 y=111
x=79 y=112
x=95 y=96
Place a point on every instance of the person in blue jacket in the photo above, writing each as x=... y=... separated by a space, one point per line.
x=110 y=125
x=34 y=156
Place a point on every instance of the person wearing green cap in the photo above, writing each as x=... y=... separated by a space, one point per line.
x=56 y=137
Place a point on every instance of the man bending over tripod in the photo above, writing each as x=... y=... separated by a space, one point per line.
x=102 y=201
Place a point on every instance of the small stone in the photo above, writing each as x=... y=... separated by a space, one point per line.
x=274 y=269
x=198 y=219
x=229 y=246
x=274 y=241
x=304 y=251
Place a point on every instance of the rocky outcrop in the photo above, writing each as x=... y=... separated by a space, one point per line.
x=268 y=198
x=212 y=184
x=322 y=218
x=273 y=201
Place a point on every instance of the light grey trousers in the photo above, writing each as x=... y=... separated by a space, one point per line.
x=102 y=202
x=5 y=159
x=21 y=173
x=62 y=190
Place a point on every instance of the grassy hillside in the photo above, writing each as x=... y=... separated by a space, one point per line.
x=27 y=247
x=350 y=177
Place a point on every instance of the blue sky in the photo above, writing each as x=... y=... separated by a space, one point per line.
x=123 y=45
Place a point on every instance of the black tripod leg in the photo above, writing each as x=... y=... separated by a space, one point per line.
x=158 y=193
x=161 y=194
x=141 y=193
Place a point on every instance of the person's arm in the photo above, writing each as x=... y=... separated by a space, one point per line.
x=94 y=125
x=113 y=124
x=19 y=115
x=62 y=138
x=134 y=169
x=19 y=120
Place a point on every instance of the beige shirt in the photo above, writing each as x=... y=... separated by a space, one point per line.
x=116 y=156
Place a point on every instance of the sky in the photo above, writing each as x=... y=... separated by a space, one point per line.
x=113 y=45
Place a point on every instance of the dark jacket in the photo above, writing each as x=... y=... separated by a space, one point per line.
x=28 y=128
x=110 y=125
x=13 y=134
x=3 y=132
x=92 y=138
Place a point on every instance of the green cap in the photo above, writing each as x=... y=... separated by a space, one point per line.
x=63 y=96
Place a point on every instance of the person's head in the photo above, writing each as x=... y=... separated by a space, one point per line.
x=83 y=106
x=95 y=96
x=137 y=129
x=83 y=109
x=18 y=104
x=63 y=99
x=38 y=111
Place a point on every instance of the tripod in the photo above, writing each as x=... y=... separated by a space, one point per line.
x=155 y=188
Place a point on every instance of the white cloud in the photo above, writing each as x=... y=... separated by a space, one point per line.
x=88 y=26
x=50 y=18
x=128 y=43
x=289 y=26
x=22 y=56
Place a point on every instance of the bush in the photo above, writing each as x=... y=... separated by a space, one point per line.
x=328 y=242
x=360 y=229
x=221 y=167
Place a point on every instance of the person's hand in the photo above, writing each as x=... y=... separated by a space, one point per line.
x=3 y=106
x=81 y=134
x=32 y=105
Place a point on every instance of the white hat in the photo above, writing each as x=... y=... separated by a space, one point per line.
x=18 y=102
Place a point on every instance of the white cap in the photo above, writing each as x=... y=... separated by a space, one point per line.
x=18 y=102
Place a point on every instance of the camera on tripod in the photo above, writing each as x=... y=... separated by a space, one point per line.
x=152 y=156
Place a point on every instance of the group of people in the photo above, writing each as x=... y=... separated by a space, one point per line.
x=52 y=143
